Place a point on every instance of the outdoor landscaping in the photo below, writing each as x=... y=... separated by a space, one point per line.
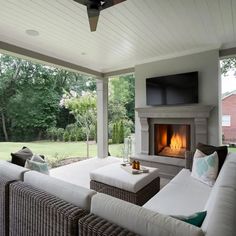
x=53 y=111
x=56 y=151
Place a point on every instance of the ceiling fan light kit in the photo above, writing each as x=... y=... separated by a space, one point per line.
x=94 y=7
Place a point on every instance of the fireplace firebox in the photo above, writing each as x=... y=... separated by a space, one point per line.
x=171 y=140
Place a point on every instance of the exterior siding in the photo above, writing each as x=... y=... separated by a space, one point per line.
x=229 y=108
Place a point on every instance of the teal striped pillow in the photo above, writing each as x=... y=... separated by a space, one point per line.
x=37 y=166
x=194 y=219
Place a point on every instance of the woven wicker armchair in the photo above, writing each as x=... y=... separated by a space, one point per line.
x=36 y=213
x=92 y=225
x=4 y=205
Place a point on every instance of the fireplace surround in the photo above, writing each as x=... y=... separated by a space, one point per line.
x=193 y=117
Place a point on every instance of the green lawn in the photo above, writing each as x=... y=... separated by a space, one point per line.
x=232 y=149
x=56 y=149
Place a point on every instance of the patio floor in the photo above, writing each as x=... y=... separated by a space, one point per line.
x=78 y=173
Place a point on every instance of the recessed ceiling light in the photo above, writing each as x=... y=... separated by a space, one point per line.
x=32 y=32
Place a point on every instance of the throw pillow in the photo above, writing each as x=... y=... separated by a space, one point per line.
x=20 y=157
x=205 y=169
x=37 y=166
x=222 y=152
x=198 y=154
x=195 y=219
x=36 y=158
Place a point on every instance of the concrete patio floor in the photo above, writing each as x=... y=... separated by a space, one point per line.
x=78 y=172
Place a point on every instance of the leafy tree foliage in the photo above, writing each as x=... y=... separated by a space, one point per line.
x=32 y=103
x=121 y=106
x=84 y=110
x=9 y=74
x=228 y=64
x=30 y=96
x=35 y=108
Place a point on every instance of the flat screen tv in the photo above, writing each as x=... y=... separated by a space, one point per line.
x=172 y=89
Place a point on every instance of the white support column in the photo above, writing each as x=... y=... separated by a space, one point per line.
x=102 y=118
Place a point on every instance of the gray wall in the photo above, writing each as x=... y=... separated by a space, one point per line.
x=207 y=65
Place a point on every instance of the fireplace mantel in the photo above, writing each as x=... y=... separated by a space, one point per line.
x=190 y=111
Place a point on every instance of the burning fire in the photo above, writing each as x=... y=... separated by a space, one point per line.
x=176 y=141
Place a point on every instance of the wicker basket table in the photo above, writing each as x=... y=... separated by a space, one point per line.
x=115 y=181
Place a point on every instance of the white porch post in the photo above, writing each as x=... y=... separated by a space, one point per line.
x=102 y=118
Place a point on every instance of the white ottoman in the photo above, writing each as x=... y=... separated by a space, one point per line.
x=115 y=181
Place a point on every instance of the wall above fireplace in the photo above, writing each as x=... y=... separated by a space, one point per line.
x=207 y=65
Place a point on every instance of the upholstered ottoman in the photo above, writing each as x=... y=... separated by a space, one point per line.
x=117 y=182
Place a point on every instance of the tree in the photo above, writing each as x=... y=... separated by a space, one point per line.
x=84 y=110
x=122 y=93
x=34 y=108
x=121 y=105
x=9 y=72
x=227 y=65
x=30 y=96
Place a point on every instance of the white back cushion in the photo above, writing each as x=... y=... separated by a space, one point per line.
x=11 y=171
x=77 y=195
x=221 y=205
x=138 y=219
x=221 y=213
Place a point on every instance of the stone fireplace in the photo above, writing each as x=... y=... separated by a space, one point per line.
x=167 y=132
x=171 y=130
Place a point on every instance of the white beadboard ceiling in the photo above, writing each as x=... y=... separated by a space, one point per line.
x=130 y=33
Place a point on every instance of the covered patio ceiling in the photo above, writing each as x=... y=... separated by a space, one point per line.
x=130 y=33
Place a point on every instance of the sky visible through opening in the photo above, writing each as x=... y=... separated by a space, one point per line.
x=228 y=82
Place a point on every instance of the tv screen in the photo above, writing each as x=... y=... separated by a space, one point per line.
x=172 y=89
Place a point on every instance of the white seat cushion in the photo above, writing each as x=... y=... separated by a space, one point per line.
x=115 y=176
x=77 y=195
x=184 y=195
x=138 y=219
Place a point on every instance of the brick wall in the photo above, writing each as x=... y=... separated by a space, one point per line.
x=229 y=108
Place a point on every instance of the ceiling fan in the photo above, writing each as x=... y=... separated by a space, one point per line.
x=94 y=7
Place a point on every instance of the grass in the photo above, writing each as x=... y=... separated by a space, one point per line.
x=56 y=149
x=232 y=149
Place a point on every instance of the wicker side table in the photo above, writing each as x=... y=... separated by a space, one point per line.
x=138 y=198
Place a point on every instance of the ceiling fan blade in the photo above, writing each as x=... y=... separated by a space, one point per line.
x=83 y=2
x=93 y=15
x=110 y=3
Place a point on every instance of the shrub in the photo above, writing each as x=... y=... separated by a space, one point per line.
x=60 y=133
x=52 y=133
x=115 y=133
x=121 y=132
x=66 y=136
x=73 y=137
x=80 y=136
x=55 y=160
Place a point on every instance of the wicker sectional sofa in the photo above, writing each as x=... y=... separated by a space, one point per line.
x=34 y=204
x=182 y=196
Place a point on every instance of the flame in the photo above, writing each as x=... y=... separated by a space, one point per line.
x=176 y=141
